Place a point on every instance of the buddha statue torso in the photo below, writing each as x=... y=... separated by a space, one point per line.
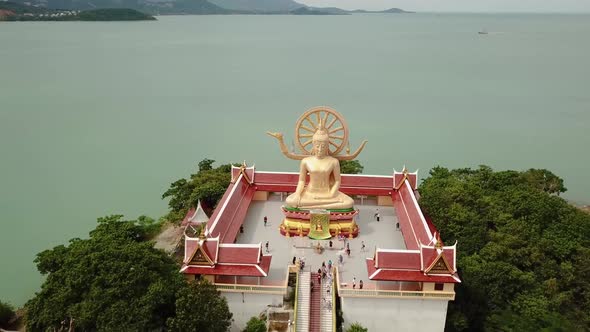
x=322 y=189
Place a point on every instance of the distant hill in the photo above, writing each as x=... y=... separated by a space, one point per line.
x=259 y=6
x=198 y=7
x=387 y=11
x=310 y=11
x=339 y=11
x=20 y=12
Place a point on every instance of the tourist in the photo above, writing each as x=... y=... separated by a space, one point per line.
x=348 y=251
x=330 y=265
x=266 y=245
x=347 y=246
x=330 y=244
x=361 y=284
x=340 y=259
x=376 y=215
x=294 y=260
x=241 y=228
x=353 y=282
x=323 y=264
x=265 y=220
x=362 y=246
x=397 y=226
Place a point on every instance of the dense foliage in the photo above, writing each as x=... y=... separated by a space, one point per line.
x=113 y=14
x=350 y=167
x=523 y=252
x=115 y=281
x=6 y=314
x=255 y=324
x=201 y=309
x=23 y=12
x=208 y=186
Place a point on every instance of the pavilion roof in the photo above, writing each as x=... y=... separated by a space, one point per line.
x=248 y=270
x=406 y=275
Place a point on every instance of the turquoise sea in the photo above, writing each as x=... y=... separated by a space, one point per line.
x=99 y=118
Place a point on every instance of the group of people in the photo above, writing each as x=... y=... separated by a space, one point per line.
x=301 y=262
x=354 y=283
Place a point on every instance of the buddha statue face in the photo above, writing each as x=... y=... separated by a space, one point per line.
x=320 y=143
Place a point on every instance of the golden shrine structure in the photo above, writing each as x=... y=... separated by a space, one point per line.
x=409 y=274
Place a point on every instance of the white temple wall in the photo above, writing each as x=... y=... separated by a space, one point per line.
x=245 y=305
x=384 y=314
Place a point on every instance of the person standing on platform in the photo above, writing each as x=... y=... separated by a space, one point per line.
x=294 y=260
x=397 y=226
x=330 y=244
x=330 y=265
x=241 y=228
x=376 y=214
x=361 y=284
x=363 y=246
x=348 y=252
x=353 y=282
x=378 y=217
x=265 y=220
x=266 y=245
x=340 y=259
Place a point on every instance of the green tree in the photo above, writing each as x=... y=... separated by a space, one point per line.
x=522 y=252
x=208 y=185
x=113 y=281
x=255 y=324
x=356 y=327
x=350 y=167
x=200 y=307
x=6 y=313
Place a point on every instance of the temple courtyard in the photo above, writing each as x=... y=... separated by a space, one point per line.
x=382 y=234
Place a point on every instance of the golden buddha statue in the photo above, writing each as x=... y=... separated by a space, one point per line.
x=322 y=191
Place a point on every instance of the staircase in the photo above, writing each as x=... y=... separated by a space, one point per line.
x=303 y=301
x=316 y=303
x=314 y=306
x=325 y=318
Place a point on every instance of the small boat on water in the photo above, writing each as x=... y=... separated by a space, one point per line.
x=483 y=32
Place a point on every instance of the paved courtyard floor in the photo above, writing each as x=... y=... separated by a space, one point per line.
x=382 y=234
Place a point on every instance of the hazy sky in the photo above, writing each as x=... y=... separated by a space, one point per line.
x=459 y=5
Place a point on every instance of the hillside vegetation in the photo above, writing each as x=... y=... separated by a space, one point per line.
x=523 y=252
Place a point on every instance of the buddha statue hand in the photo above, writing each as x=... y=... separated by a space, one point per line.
x=278 y=136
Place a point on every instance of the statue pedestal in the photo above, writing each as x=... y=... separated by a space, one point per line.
x=319 y=224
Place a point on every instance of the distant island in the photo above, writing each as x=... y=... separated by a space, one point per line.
x=10 y=11
x=63 y=8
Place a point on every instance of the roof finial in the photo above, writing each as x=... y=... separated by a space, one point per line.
x=438 y=244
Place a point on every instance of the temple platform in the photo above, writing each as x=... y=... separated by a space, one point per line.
x=382 y=234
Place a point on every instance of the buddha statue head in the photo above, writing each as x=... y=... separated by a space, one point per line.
x=320 y=141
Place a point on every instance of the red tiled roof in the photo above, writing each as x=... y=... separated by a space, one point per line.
x=405 y=275
x=247 y=270
x=231 y=211
x=210 y=248
x=429 y=255
x=189 y=247
x=350 y=184
x=398 y=260
x=239 y=255
x=414 y=228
